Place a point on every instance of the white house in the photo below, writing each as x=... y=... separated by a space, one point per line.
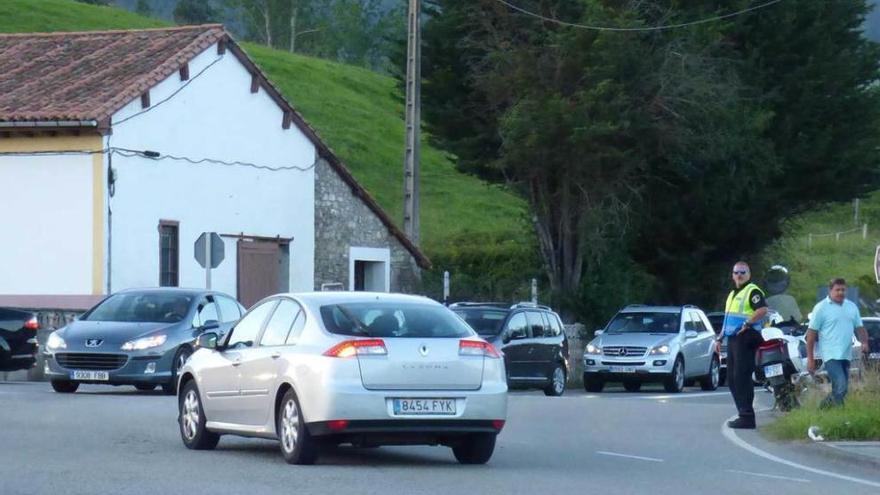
x=119 y=148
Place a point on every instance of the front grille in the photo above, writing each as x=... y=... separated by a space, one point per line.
x=90 y=361
x=624 y=351
x=623 y=363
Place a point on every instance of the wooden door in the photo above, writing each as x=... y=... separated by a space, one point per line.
x=259 y=265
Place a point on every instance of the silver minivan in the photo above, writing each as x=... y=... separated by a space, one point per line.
x=673 y=345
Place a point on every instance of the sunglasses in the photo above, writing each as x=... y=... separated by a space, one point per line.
x=740 y=272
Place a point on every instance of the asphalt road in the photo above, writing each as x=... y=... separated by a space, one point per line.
x=105 y=440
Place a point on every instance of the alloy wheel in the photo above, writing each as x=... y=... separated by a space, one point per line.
x=716 y=374
x=558 y=380
x=190 y=415
x=290 y=426
x=679 y=375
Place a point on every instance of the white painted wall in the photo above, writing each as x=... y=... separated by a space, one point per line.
x=215 y=116
x=377 y=275
x=46 y=224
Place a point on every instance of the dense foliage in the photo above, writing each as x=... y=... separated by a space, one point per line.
x=651 y=160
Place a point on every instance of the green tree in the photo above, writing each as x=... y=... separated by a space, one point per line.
x=813 y=68
x=195 y=12
x=143 y=8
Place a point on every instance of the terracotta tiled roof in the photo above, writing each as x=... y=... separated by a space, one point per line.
x=90 y=75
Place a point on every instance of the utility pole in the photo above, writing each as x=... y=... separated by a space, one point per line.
x=413 y=122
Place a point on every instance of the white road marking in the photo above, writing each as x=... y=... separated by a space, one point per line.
x=773 y=476
x=731 y=435
x=602 y=452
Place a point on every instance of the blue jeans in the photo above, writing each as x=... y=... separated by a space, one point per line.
x=838 y=373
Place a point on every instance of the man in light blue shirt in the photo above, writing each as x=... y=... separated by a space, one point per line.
x=835 y=319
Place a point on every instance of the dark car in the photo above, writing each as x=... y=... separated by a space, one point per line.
x=18 y=339
x=530 y=337
x=872 y=325
x=139 y=337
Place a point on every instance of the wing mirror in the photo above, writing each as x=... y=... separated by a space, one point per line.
x=207 y=340
x=690 y=334
x=598 y=332
x=210 y=325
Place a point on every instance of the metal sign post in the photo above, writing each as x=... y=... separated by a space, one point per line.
x=446 y=287
x=534 y=291
x=209 y=253
x=208 y=262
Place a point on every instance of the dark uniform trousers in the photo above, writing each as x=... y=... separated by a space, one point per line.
x=740 y=367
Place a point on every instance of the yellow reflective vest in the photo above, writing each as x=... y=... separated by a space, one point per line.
x=738 y=310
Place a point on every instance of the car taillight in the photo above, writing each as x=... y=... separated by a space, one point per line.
x=498 y=424
x=771 y=344
x=32 y=324
x=360 y=347
x=337 y=424
x=477 y=348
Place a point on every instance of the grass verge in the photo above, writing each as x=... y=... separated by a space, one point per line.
x=857 y=419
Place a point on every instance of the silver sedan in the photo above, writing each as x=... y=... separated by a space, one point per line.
x=329 y=368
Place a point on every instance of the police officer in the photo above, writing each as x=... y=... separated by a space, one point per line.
x=744 y=314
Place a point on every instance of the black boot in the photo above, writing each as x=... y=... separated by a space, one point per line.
x=742 y=423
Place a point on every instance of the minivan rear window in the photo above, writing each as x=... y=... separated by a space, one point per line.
x=378 y=319
x=486 y=322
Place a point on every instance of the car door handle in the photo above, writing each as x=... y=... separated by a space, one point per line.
x=276 y=354
x=236 y=361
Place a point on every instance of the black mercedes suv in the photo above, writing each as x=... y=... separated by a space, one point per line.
x=530 y=337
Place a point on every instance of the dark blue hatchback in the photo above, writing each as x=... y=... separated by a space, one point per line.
x=137 y=337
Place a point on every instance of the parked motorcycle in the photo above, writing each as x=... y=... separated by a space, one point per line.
x=779 y=364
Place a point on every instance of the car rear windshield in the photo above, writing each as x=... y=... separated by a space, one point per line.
x=486 y=322
x=873 y=328
x=152 y=307
x=644 y=323
x=378 y=319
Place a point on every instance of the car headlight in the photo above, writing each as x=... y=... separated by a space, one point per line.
x=54 y=342
x=145 y=342
x=592 y=349
x=660 y=349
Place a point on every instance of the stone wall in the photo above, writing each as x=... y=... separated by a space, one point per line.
x=343 y=220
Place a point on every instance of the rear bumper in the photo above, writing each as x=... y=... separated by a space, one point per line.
x=18 y=355
x=405 y=427
x=402 y=432
x=357 y=405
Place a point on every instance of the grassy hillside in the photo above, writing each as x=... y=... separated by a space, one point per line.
x=851 y=257
x=355 y=111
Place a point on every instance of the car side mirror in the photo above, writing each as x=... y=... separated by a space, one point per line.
x=207 y=340
x=210 y=325
x=690 y=334
x=598 y=332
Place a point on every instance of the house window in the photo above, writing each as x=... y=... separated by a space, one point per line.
x=169 y=257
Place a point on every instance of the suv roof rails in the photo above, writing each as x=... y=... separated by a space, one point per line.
x=465 y=304
x=635 y=305
x=529 y=304
x=688 y=306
